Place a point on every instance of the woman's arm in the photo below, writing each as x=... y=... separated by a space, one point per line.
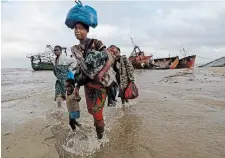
x=101 y=47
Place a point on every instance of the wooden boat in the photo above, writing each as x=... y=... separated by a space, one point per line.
x=43 y=61
x=186 y=62
x=166 y=63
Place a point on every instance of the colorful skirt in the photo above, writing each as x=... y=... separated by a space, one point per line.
x=95 y=98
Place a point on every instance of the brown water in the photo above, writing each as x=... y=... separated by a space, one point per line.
x=181 y=116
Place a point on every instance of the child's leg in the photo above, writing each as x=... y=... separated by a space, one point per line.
x=72 y=123
x=77 y=123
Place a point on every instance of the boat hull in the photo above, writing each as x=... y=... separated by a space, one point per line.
x=42 y=66
x=186 y=62
x=140 y=62
x=166 y=63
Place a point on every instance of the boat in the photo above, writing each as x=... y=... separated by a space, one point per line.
x=186 y=61
x=215 y=63
x=43 y=61
x=166 y=63
x=138 y=58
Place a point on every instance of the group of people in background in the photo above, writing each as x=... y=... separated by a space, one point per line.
x=95 y=91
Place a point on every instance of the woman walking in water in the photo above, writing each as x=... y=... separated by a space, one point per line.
x=95 y=92
x=61 y=68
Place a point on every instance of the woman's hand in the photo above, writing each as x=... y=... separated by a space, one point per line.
x=106 y=67
x=100 y=75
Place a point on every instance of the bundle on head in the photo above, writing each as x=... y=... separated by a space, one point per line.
x=83 y=14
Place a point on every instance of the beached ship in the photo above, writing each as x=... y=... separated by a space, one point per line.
x=186 y=61
x=215 y=63
x=43 y=61
x=138 y=58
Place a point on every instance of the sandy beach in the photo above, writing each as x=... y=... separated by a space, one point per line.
x=178 y=114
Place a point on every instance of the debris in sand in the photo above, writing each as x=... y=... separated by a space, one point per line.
x=190 y=79
x=179 y=74
x=51 y=137
x=7 y=134
x=46 y=127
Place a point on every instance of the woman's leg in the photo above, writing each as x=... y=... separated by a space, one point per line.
x=114 y=92
x=111 y=98
x=59 y=100
x=95 y=98
x=59 y=92
x=99 y=123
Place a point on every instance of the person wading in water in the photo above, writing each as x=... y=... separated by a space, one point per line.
x=61 y=68
x=124 y=71
x=95 y=92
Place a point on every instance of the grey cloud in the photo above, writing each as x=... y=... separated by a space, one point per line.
x=158 y=27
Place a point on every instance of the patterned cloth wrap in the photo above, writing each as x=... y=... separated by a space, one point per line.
x=74 y=115
x=94 y=62
x=60 y=71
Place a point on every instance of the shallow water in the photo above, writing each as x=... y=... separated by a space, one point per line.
x=181 y=116
x=22 y=83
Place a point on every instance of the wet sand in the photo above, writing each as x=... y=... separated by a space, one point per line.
x=181 y=116
x=25 y=131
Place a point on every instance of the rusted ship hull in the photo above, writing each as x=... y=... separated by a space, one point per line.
x=186 y=62
x=140 y=62
x=166 y=63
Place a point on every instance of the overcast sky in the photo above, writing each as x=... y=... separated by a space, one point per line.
x=159 y=28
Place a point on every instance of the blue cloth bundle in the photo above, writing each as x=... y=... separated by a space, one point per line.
x=80 y=13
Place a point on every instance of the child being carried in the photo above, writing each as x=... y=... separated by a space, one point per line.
x=72 y=104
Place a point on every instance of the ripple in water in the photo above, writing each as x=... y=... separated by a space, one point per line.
x=82 y=142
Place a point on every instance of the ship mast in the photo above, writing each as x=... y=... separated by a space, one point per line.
x=136 y=49
x=184 y=52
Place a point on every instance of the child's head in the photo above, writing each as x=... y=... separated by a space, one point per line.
x=70 y=84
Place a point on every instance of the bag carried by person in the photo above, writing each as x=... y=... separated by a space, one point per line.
x=131 y=92
x=80 y=13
